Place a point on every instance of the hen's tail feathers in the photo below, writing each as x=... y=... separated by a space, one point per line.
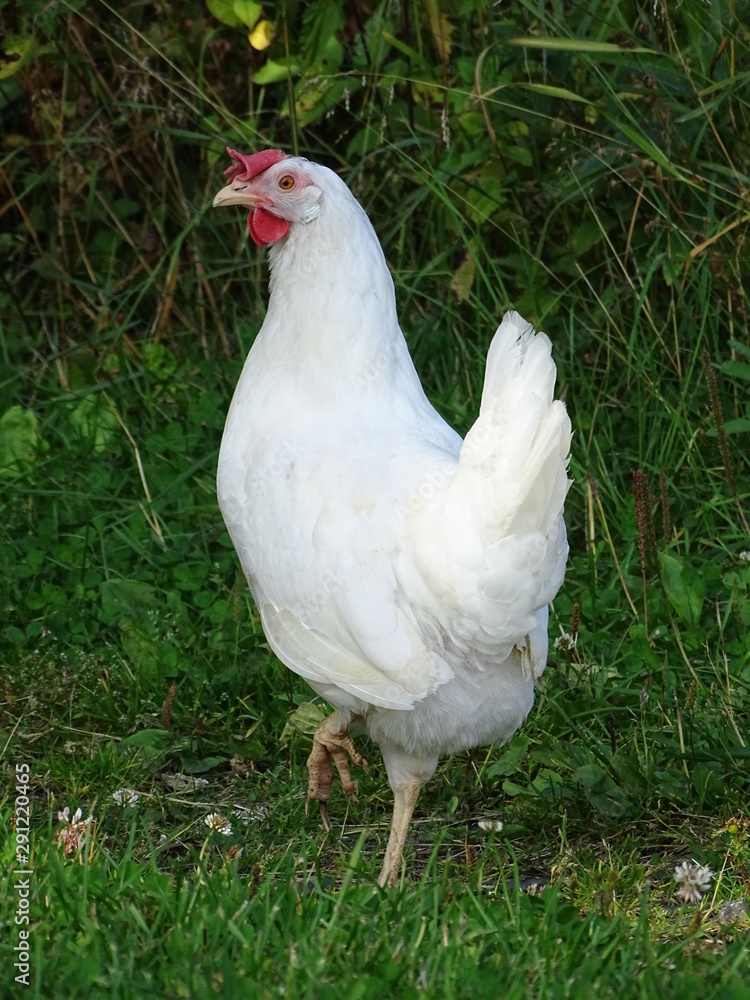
x=519 y=446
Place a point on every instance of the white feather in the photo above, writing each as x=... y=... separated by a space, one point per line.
x=405 y=574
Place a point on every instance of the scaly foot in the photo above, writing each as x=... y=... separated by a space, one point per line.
x=331 y=745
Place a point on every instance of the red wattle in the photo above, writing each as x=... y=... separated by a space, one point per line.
x=266 y=228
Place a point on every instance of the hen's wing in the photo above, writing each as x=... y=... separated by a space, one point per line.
x=404 y=672
x=330 y=602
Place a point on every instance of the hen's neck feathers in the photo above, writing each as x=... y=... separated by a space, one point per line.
x=341 y=236
x=331 y=317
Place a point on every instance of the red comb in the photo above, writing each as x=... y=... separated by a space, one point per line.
x=250 y=166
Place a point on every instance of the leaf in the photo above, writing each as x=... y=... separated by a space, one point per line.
x=95 y=422
x=650 y=149
x=148 y=737
x=577 y=45
x=736 y=369
x=741 y=425
x=740 y=348
x=321 y=48
x=602 y=792
x=196 y=766
x=548 y=91
x=14 y=634
x=590 y=775
x=141 y=650
x=671 y=271
x=305 y=720
x=685 y=589
x=406 y=50
x=511 y=759
x=151 y=741
x=707 y=782
x=223 y=10
x=14 y=54
x=463 y=278
x=628 y=770
x=126 y=600
x=313 y=102
x=550 y=785
x=440 y=28
x=262 y=35
x=19 y=440
x=611 y=801
x=124 y=208
x=642 y=647
x=247 y=12
x=520 y=154
x=273 y=71
x=585 y=236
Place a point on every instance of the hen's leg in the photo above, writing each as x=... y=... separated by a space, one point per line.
x=331 y=745
x=405 y=795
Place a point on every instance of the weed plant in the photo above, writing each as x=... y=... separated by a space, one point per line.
x=585 y=163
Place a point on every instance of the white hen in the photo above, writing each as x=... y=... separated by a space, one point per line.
x=403 y=573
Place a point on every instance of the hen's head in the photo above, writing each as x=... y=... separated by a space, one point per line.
x=276 y=187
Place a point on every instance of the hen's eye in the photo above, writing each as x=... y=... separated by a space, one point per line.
x=286 y=183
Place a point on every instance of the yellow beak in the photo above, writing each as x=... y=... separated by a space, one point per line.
x=235 y=194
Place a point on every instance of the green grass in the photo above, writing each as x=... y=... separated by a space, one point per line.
x=603 y=193
x=144 y=933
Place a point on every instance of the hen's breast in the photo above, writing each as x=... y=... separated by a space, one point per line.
x=310 y=501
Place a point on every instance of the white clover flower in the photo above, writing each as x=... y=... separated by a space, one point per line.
x=565 y=642
x=218 y=824
x=693 y=881
x=72 y=834
x=745 y=556
x=490 y=825
x=125 y=796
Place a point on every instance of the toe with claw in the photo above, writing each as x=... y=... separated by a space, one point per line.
x=331 y=745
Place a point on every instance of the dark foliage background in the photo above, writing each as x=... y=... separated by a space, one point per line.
x=587 y=163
